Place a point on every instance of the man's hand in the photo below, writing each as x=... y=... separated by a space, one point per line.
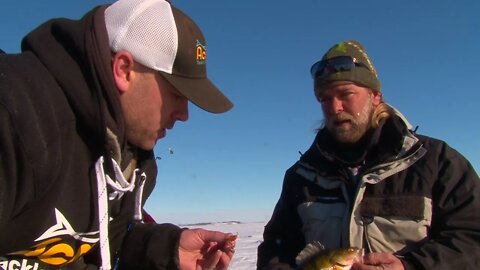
x=379 y=261
x=201 y=249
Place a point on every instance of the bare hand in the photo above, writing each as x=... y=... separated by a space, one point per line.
x=201 y=249
x=379 y=261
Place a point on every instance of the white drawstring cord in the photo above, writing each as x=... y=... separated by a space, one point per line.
x=103 y=218
x=138 y=215
x=120 y=185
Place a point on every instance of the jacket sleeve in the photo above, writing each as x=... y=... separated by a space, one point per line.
x=282 y=237
x=7 y=157
x=10 y=173
x=454 y=238
x=151 y=246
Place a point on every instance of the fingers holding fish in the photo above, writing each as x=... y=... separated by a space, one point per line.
x=223 y=253
x=380 y=261
x=229 y=245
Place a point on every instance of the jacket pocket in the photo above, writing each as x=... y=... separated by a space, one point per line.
x=395 y=224
x=322 y=222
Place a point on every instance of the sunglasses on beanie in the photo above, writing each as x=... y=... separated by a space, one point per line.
x=323 y=68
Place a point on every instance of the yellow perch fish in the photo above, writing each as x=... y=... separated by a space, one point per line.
x=315 y=257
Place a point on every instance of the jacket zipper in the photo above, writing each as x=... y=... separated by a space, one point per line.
x=365 y=222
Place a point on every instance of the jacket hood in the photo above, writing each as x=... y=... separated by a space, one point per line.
x=77 y=54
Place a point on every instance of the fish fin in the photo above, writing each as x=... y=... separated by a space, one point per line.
x=310 y=251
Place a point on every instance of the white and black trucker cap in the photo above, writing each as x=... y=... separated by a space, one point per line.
x=163 y=38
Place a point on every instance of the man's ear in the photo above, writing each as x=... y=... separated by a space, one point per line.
x=377 y=97
x=122 y=67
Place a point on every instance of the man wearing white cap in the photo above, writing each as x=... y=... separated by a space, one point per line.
x=81 y=109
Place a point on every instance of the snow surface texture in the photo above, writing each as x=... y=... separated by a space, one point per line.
x=250 y=235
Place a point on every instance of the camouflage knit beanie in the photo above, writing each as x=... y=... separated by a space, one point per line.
x=364 y=74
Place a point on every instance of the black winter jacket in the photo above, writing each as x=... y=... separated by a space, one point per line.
x=410 y=195
x=59 y=117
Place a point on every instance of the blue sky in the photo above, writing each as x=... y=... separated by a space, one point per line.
x=231 y=166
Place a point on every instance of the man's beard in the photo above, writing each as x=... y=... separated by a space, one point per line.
x=353 y=127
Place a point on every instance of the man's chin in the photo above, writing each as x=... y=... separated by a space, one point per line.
x=146 y=145
x=345 y=136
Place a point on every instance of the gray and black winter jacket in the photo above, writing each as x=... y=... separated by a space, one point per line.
x=406 y=194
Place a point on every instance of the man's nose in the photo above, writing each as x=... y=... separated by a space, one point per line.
x=182 y=113
x=333 y=106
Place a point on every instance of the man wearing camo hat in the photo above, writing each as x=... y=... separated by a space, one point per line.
x=370 y=181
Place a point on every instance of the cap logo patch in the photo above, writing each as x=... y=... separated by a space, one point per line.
x=201 y=53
